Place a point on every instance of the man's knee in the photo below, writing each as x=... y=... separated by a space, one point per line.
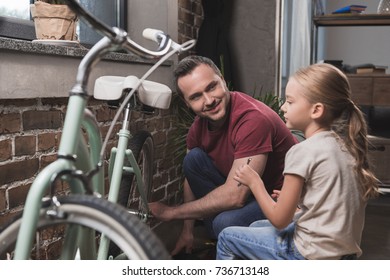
x=226 y=219
x=192 y=159
x=244 y=216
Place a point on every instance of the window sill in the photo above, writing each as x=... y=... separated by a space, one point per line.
x=77 y=51
x=12 y=27
x=31 y=70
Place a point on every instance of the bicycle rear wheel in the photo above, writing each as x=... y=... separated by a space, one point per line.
x=127 y=232
x=141 y=144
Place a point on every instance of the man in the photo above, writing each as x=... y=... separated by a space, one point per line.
x=230 y=129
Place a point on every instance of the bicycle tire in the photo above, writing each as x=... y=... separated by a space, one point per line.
x=131 y=235
x=142 y=146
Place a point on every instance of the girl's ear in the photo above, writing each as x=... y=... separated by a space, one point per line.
x=318 y=111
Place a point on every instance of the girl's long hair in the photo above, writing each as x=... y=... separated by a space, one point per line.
x=328 y=85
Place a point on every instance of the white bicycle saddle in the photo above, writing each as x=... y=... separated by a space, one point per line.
x=150 y=93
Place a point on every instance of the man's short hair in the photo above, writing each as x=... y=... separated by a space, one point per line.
x=188 y=64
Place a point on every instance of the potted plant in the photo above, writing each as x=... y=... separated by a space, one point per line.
x=53 y=20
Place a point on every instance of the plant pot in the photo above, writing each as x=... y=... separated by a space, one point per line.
x=53 y=22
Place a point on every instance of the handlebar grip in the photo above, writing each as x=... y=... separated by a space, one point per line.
x=152 y=34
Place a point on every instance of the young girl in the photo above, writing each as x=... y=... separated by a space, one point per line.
x=327 y=176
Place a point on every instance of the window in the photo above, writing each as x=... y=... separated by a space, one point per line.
x=15 y=8
x=111 y=12
x=15 y=19
x=16 y=22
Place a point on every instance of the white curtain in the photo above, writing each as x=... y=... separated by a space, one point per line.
x=300 y=35
x=296 y=35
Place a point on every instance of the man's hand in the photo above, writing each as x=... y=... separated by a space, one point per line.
x=185 y=241
x=165 y=213
x=161 y=211
x=275 y=194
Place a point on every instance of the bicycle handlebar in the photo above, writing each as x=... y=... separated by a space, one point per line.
x=121 y=38
x=158 y=36
x=115 y=38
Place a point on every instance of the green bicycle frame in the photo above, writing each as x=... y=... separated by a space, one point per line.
x=116 y=168
x=72 y=144
x=79 y=164
x=75 y=155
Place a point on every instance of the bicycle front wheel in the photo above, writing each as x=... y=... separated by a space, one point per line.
x=127 y=232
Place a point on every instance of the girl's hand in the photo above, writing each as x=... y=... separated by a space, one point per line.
x=247 y=176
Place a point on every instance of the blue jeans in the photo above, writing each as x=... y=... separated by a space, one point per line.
x=260 y=241
x=203 y=177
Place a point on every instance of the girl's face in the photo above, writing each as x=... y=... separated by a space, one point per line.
x=297 y=109
x=206 y=94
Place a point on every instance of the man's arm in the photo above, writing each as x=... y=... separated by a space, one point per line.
x=186 y=238
x=225 y=197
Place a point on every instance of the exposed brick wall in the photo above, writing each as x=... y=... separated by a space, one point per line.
x=30 y=133
x=190 y=18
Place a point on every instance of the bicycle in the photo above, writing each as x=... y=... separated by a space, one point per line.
x=95 y=227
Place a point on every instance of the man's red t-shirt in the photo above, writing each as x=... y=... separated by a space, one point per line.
x=251 y=129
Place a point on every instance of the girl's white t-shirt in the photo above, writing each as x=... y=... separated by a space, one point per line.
x=333 y=210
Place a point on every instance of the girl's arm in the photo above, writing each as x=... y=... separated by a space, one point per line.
x=281 y=212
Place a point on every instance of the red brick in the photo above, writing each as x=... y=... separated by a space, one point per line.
x=6 y=217
x=104 y=130
x=48 y=141
x=42 y=120
x=55 y=101
x=105 y=114
x=19 y=170
x=150 y=126
x=46 y=160
x=164 y=177
x=198 y=9
x=10 y=123
x=173 y=187
x=159 y=138
x=25 y=145
x=18 y=102
x=173 y=174
x=5 y=149
x=185 y=4
x=186 y=17
x=17 y=195
x=158 y=195
x=3 y=201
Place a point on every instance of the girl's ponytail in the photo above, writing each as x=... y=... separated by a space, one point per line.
x=328 y=85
